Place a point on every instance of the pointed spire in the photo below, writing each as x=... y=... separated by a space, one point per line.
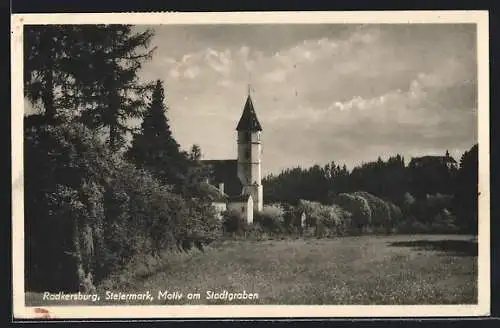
x=248 y=120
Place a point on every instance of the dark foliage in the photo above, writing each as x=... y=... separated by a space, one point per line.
x=430 y=191
x=87 y=210
x=154 y=148
x=88 y=72
x=234 y=223
x=467 y=193
x=271 y=219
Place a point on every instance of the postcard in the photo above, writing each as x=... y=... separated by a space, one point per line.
x=250 y=165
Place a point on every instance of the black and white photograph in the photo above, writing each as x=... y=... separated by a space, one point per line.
x=250 y=165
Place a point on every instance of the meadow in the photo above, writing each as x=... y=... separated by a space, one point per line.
x=364 y=270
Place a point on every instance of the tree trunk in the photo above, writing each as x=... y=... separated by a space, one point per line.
x=80 y=273
x=82 y=254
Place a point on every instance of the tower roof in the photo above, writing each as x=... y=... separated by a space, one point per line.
x=248 y=120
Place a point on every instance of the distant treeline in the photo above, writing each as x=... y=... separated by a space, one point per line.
x=422 y=181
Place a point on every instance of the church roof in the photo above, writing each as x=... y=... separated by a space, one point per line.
x=248 y=120
x=239 y=198
x=213 y=193
x=225 y=171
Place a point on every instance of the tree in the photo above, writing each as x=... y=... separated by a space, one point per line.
x=64 y=166
x=466 y=195
x=106 y=76
x=155 y=148
x=88 y=72
x=195 y=153
x=45 y=57
x=88 y=212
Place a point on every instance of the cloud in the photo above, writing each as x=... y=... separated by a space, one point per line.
x=191 y=72
x=174 y=72
x=219 y=61
x=278 y=75
x=225 y=83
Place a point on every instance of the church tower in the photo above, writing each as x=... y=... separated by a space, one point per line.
x=250 y=154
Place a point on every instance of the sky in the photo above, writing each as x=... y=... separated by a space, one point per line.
x=347 y=93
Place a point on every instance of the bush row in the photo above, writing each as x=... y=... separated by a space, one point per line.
x=348 y=214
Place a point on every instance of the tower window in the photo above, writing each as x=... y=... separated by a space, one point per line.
x=248 y=153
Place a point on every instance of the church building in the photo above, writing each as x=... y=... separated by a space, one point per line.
x=238 y=181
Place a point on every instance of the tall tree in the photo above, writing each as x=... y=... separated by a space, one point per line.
x=87 y=71
x=108 y=79
x=466 y=195
x=155 y=148
x=195 y=153
x=45 y=54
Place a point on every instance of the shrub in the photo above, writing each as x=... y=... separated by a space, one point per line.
x=291 y=217
x=256 y=232
x=343 y=219
x=408 y=200
x=271 y=219
x=88 y=211
x=361 y=214
x=425 y=210
x=328 y=220
x=234 y=223
x=337 y=220
x=444 y=222
x=311 y=210
x=201 y=225
x=385 y=215
x=65 y=170
x=276 y=210
x=381 y=212
x=396 y=215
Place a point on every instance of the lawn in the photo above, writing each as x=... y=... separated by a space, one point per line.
x=418 y=269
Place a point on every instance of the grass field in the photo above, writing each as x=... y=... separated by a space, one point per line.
x=419 y=269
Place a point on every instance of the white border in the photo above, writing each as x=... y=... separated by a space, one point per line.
x=20 y=311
